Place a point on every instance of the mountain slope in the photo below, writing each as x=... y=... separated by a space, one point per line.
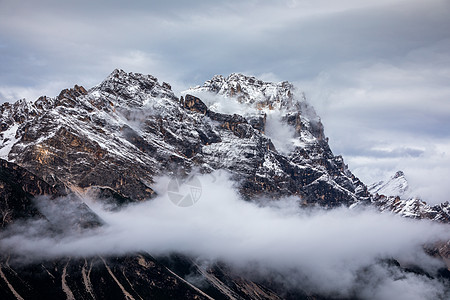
x=394 y=195
x=33 y=205
x=397 y=185
x=128 y=277
x=17 y=190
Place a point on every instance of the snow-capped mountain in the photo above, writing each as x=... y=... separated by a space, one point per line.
x=282 y=114
x=112 y=140
x=394 y=195
x=397 y=185
x=251 y=91
x=118 y=135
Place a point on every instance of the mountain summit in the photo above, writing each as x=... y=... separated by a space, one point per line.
x=248 y=89
x=397 y=185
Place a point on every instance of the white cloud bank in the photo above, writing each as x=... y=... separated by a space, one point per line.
x=335 y=252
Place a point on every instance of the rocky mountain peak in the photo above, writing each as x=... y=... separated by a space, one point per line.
x=396 y=185
x=72 y=93
x=119 y=76
x=262 y=101
x=131 y=88
x=250 y=90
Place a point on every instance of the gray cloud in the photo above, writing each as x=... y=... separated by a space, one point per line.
x=201 y=39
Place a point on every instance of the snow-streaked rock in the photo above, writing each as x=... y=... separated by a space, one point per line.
x=413 y=208
x=396 y=185
x=393 y=195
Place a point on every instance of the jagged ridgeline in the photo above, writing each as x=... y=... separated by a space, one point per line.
x=394 y=195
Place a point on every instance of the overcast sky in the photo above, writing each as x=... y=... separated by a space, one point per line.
x=378 y=72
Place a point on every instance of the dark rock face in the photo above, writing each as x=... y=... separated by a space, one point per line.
x=18 y=187
x=193 y=103
x=218 y=280
x=136 y=276
x=21 y=195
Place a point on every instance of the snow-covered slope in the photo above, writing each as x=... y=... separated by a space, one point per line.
x=121 y=133
x=281 y=112
x=251 y=91
x=414 y=208
x=397 y=185
x=394 y=195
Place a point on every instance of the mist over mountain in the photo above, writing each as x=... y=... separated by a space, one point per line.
x=229 y=191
